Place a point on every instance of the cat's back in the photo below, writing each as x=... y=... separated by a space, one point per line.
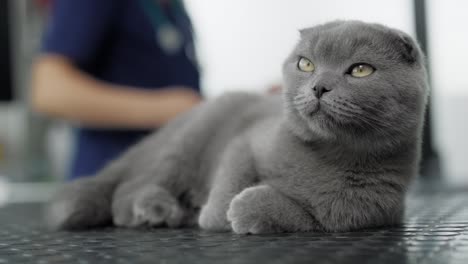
x=245 y=104
x=232 y=114
x=236 y=111
x=209 y=126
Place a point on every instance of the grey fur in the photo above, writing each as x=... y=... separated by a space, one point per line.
x=258 y=164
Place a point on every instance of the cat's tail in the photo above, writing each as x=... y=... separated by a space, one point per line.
x=86 y=202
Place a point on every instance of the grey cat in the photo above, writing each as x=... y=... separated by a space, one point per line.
x=335 y=153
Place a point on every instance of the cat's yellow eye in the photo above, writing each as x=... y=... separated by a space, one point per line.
x=305 y=65
x=361 y=70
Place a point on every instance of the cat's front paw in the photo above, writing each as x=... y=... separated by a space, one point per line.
x=213 y=218
x=247 y=212
x=151 y=205
x=156 y=212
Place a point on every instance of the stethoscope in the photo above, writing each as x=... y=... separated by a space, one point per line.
x=168 y=36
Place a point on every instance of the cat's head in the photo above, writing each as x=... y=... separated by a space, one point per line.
x=352 y=81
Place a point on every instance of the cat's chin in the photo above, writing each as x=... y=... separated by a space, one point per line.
x=319 y=125
x=314 y=126
x=316 y=116
x=310 y=111
x=314 y=109
x=311 y=123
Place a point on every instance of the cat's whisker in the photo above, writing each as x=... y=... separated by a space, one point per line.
x=368 y=107
x=364 y=125
x=350 y=105
x=301 y=102
x=300 y=98
x=347 y=103
x=301 y=95
x=362 y=115
x=370 y=123
x=304 y=99
x=376 y=123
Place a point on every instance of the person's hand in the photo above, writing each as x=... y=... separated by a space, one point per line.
x=183 y=95
x=61 y=89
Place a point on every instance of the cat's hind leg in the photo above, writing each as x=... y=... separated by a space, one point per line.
x=136 y=205
x=84 y=203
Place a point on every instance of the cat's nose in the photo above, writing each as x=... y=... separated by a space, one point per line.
x=319 y=90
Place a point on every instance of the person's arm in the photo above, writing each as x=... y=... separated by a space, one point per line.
x=62 y=90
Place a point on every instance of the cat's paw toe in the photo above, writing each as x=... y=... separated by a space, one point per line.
x=245 y=213
x=213 y=220
x=157 y=213
x=149 y=205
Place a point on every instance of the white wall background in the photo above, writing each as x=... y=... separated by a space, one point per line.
x=242 y=44
x=449 y=54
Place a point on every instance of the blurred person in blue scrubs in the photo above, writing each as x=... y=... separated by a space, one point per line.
x=117 y=68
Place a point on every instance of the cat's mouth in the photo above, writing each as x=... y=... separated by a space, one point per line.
x=310 y=108
x=321 y=110
x=314 y=108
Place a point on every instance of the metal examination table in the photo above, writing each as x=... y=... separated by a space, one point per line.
x=435 y=231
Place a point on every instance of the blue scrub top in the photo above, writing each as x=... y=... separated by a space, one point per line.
x=114 y=41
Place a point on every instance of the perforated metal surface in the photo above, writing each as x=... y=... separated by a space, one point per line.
x=435 y=231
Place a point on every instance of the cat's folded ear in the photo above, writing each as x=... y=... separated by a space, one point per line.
x=409 y=49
